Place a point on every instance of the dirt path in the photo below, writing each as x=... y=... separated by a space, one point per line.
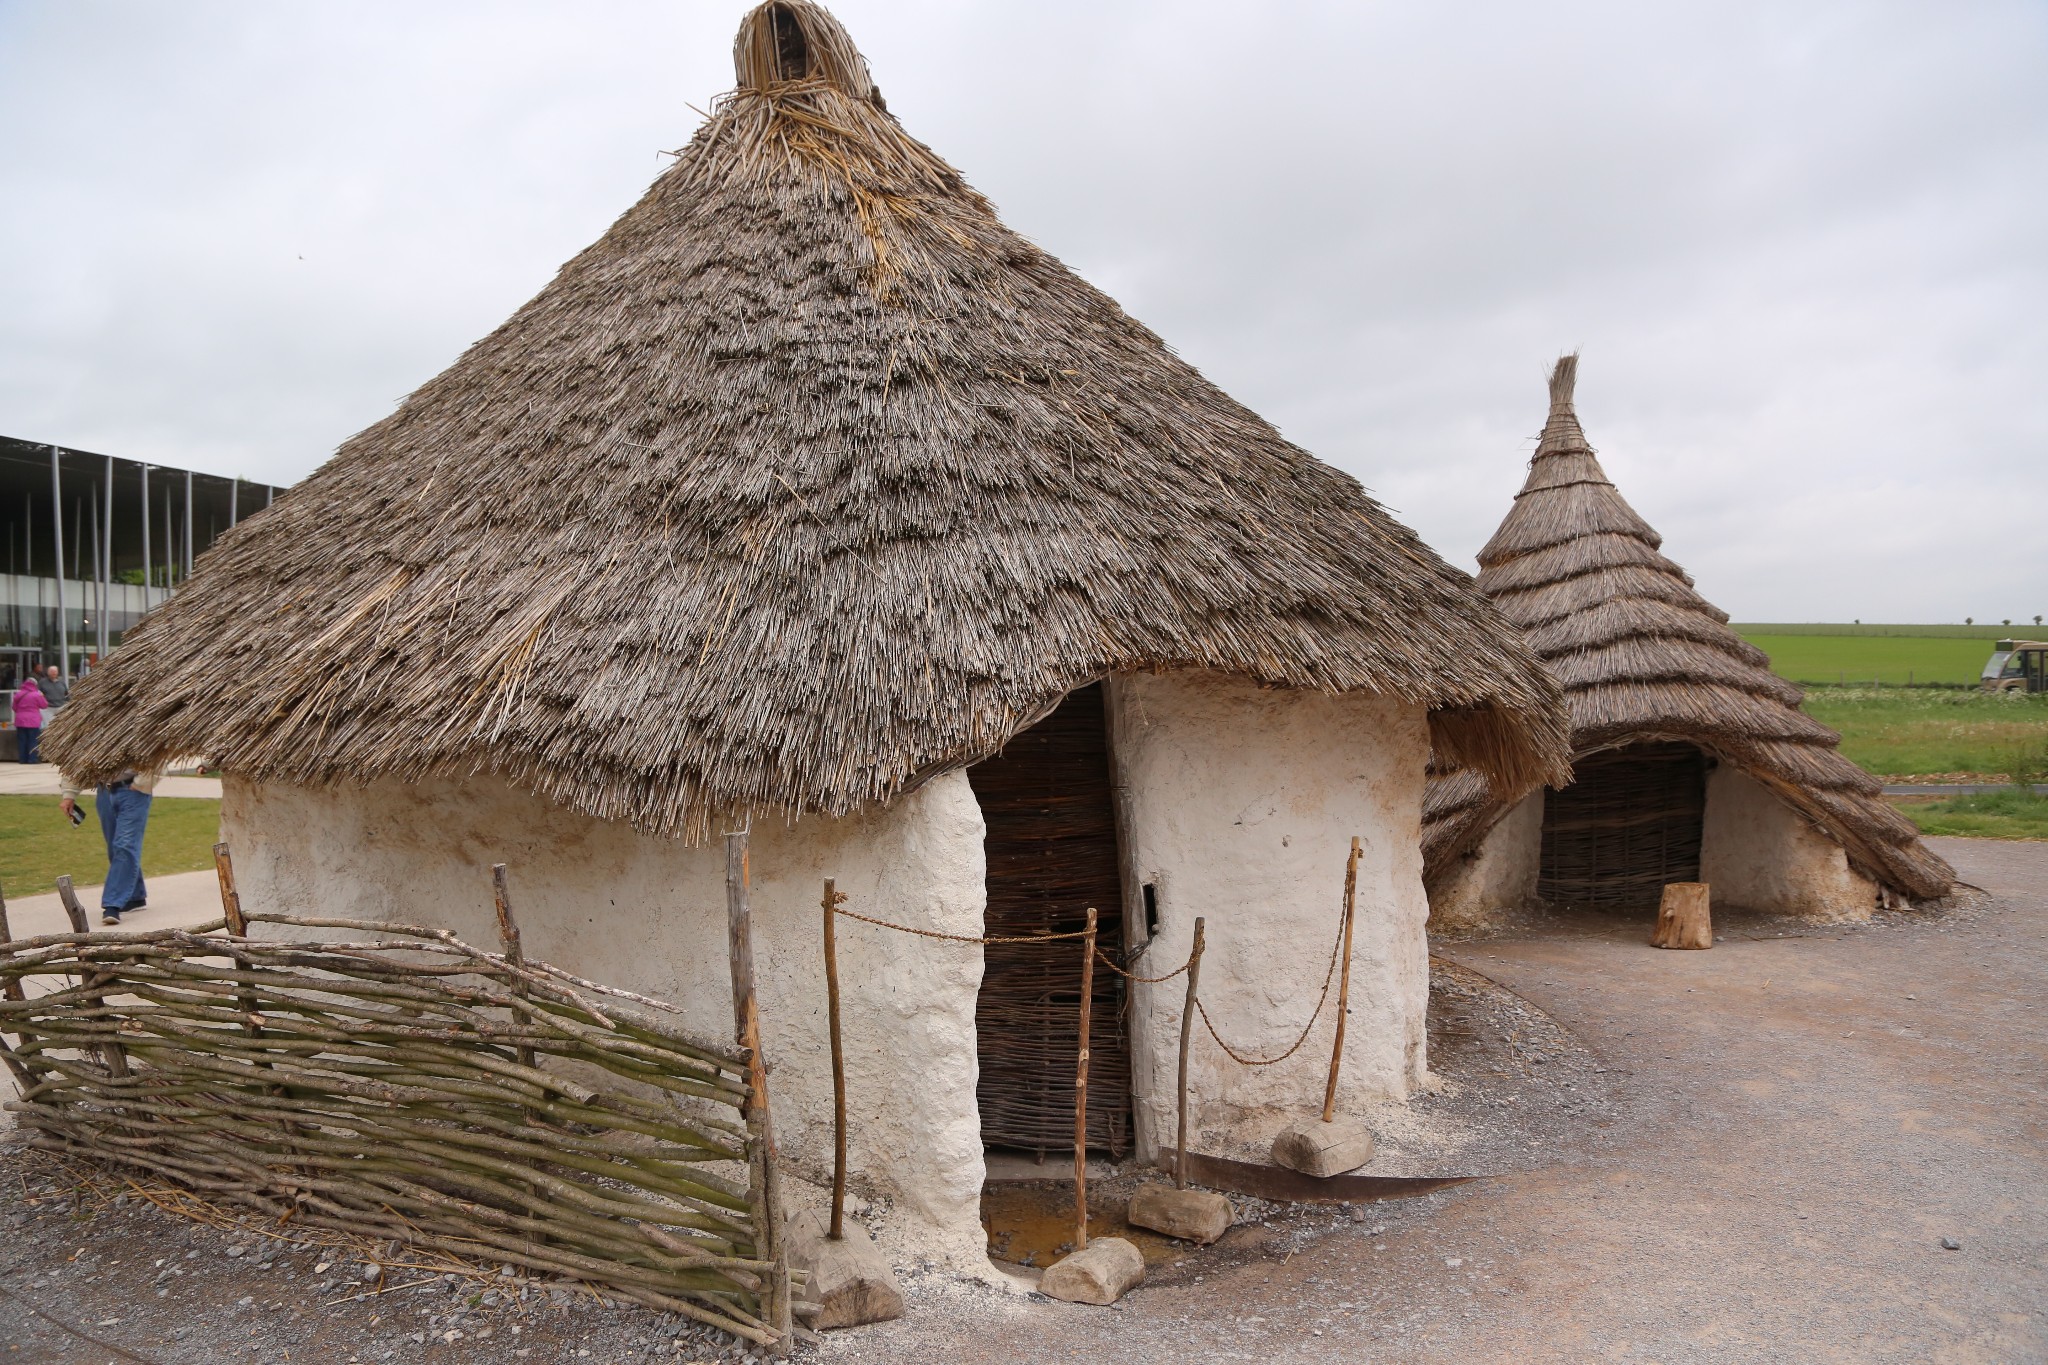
x=1805 y=1120
x=1788 y=1128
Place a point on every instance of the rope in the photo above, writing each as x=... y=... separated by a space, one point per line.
x=959 y=938
x=1335 y=950
x=1146 y=980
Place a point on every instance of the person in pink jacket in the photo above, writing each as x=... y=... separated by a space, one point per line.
x=29 y=707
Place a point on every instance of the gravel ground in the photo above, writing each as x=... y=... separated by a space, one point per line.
x=1755 y=1154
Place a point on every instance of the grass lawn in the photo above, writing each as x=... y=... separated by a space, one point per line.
x=1858 y=660
x=1901 y=732
x=38 y=845
x=1996 y=815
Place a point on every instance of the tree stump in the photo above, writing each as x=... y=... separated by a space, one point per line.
x=1683 y=920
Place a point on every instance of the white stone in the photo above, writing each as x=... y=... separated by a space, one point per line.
x=851 y=1281
x=1100 y=1273
x=1316 y=1148
x=1191 y=1215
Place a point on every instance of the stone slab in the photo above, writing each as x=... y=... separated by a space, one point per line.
x=1191 y=1215
x=851 y=1282
x=1316 y=1148
x=1101 y=1273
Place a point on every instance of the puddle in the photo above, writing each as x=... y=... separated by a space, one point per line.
x=1032 y=1223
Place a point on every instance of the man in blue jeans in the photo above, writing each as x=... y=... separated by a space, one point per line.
x=124 y=815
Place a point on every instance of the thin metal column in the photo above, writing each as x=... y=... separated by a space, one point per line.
x=107 y=567
x=147 y=572
x=98 y=594
x=187 y=556
x=57 y=508
x=234 y=499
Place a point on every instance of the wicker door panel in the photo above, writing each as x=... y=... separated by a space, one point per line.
x=1052 y=853
x=1628 y=825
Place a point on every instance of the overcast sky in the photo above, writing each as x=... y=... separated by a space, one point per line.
x=1803 y=247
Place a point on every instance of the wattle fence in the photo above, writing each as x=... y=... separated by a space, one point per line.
x=405 y=1085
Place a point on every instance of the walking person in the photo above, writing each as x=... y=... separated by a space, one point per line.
x=123 y=806
x=29 y=707
x=55 y=689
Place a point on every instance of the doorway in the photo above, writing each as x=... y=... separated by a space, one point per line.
x=1052 y=853
x=1627 y=826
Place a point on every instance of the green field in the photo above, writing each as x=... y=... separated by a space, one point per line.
x=1981 y=630
x=1995 y=815
x=1864 y=660
x=1929 y=732
x=38 y=845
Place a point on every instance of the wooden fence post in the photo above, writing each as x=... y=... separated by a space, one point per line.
x=508 y=935
x=832 y=899
x=72 y=908
x=112 y=1055
x=746 y=1014
x=1344 y=982
x=1081 y=1089
x=10 y=989
x=230 y=899
x=1187 y=1021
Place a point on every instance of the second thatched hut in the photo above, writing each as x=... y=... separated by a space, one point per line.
x=1691 y=759
x=811 y=496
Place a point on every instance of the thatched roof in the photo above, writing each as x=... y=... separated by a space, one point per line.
x=1643 y=656
x=809 y=480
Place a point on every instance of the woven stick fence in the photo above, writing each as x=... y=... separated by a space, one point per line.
x=410 y=1087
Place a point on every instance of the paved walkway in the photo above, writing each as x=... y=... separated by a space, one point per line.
x=43 y=779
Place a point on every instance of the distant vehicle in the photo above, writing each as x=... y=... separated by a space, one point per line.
x=2018 y=666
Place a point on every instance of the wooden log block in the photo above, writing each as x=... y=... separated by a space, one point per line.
x=1683 y=918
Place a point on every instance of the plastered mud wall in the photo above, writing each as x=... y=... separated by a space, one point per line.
x=1239 y=805
x=1757 y=853
x=649 y=915
x=1498 y=874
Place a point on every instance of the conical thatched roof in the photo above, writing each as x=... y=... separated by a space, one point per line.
x=1641 y=655
x=809 y=480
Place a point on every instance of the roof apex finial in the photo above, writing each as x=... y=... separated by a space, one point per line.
x=1563 y=376
x=790 y=42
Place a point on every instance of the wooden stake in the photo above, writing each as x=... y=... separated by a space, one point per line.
x=832 y=900
x=1683 y=917
x=1081 y=1089
x=1187 y=1023
x=508 y=935
x=113 y=1055
x=746 y=1017
x=10 y=989
x=1343 y=981
x=230 y=899
x=71 y=905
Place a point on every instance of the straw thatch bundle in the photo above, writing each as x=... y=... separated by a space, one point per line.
x=808 y=481
x=1643 y=657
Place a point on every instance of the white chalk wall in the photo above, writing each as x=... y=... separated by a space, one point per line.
x=649 y=915
x=1499 y=873
x=1239 y=806
x=1757 y=853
